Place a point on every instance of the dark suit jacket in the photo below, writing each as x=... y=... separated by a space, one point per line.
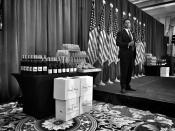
x=122 y=41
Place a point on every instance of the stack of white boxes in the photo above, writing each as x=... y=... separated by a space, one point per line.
x=86 y=93
x=164 y=71
x=73 y=96
x=66 y=95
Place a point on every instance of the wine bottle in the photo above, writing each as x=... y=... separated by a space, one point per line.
x=39 y=64
x=59 y=66
x=44 y=65
x=22 y=64
x=63 y=65
x=55 y=70
x=30 y=64
x=71 y=65
x=66 y=65
x=50 y=66
x=75 y=67
x=26 y=64
x=35 y=67
x=74 y=64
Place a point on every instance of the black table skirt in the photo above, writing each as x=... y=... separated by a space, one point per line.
x=151 y=70
x=37 y=92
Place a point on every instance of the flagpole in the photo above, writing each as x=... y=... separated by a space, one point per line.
x=144 y=46
x=109 y=72
x=101 y=83
x=116 y=29
x=117 y=67
x=93 y=34
x=102 y=56
x=110 y=43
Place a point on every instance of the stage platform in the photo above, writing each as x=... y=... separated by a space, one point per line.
x=156 y=94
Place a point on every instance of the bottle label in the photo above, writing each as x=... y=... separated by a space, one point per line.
x=75 y=69
x=55 y=71
x=59 y=70
x=24 y=68
x=40 y=68
x=44 y=68
x=71 y=69
x=63 y=70
x=27 y=68
x=35 y=69
x=49 y=71
x=30 y=69
x=67 y=69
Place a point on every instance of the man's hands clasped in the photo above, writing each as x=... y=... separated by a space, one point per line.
x=131 y=44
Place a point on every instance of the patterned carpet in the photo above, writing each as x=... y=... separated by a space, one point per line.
x=103 y=117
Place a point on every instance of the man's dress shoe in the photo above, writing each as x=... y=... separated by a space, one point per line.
x=123 y=91
x=130 y=89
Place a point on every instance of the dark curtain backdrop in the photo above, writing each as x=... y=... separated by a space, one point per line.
x=37 y=27
x=41 y=26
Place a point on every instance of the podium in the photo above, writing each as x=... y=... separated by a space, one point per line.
x=37 y=91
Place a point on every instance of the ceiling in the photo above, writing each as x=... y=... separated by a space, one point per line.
x=157 y=8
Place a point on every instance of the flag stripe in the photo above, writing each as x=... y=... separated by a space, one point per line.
x=93 y=34
x=102 y=56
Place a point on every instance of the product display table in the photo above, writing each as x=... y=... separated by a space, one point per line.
x=37 y=91
x=153 y=70
x=172 y=65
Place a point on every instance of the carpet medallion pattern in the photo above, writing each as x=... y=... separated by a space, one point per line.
x=103 y=117
x=84 y=122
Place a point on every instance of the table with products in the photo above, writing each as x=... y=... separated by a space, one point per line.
x=153 y=70
x=37 y=90
x=172 y=65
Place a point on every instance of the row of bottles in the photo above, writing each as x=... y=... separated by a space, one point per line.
x=38 y=64
x=161 y=62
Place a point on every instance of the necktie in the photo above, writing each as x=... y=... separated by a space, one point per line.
x=130 y=35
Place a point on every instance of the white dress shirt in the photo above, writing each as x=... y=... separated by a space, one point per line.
x=127 y=30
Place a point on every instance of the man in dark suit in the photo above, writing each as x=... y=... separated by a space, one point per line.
x=127 y=53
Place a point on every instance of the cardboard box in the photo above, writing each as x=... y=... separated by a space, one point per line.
x=86 y=85
x=85 y=103
x=173 y=50
x=66 y=109
x=164 y=71
x=164 y=75
x=66 y=88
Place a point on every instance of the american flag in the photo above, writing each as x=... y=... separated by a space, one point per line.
x=142 y=52
x=143 y=46
x=102 y=39
x=116 y=26
x=138 y=53
x=139 y=31
x=130 y=18
x=138 y=57
x=115 y=31
x=93 y=34
x=134 y=26
x=112 y=48
x=124 y=16
x=143 y=33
